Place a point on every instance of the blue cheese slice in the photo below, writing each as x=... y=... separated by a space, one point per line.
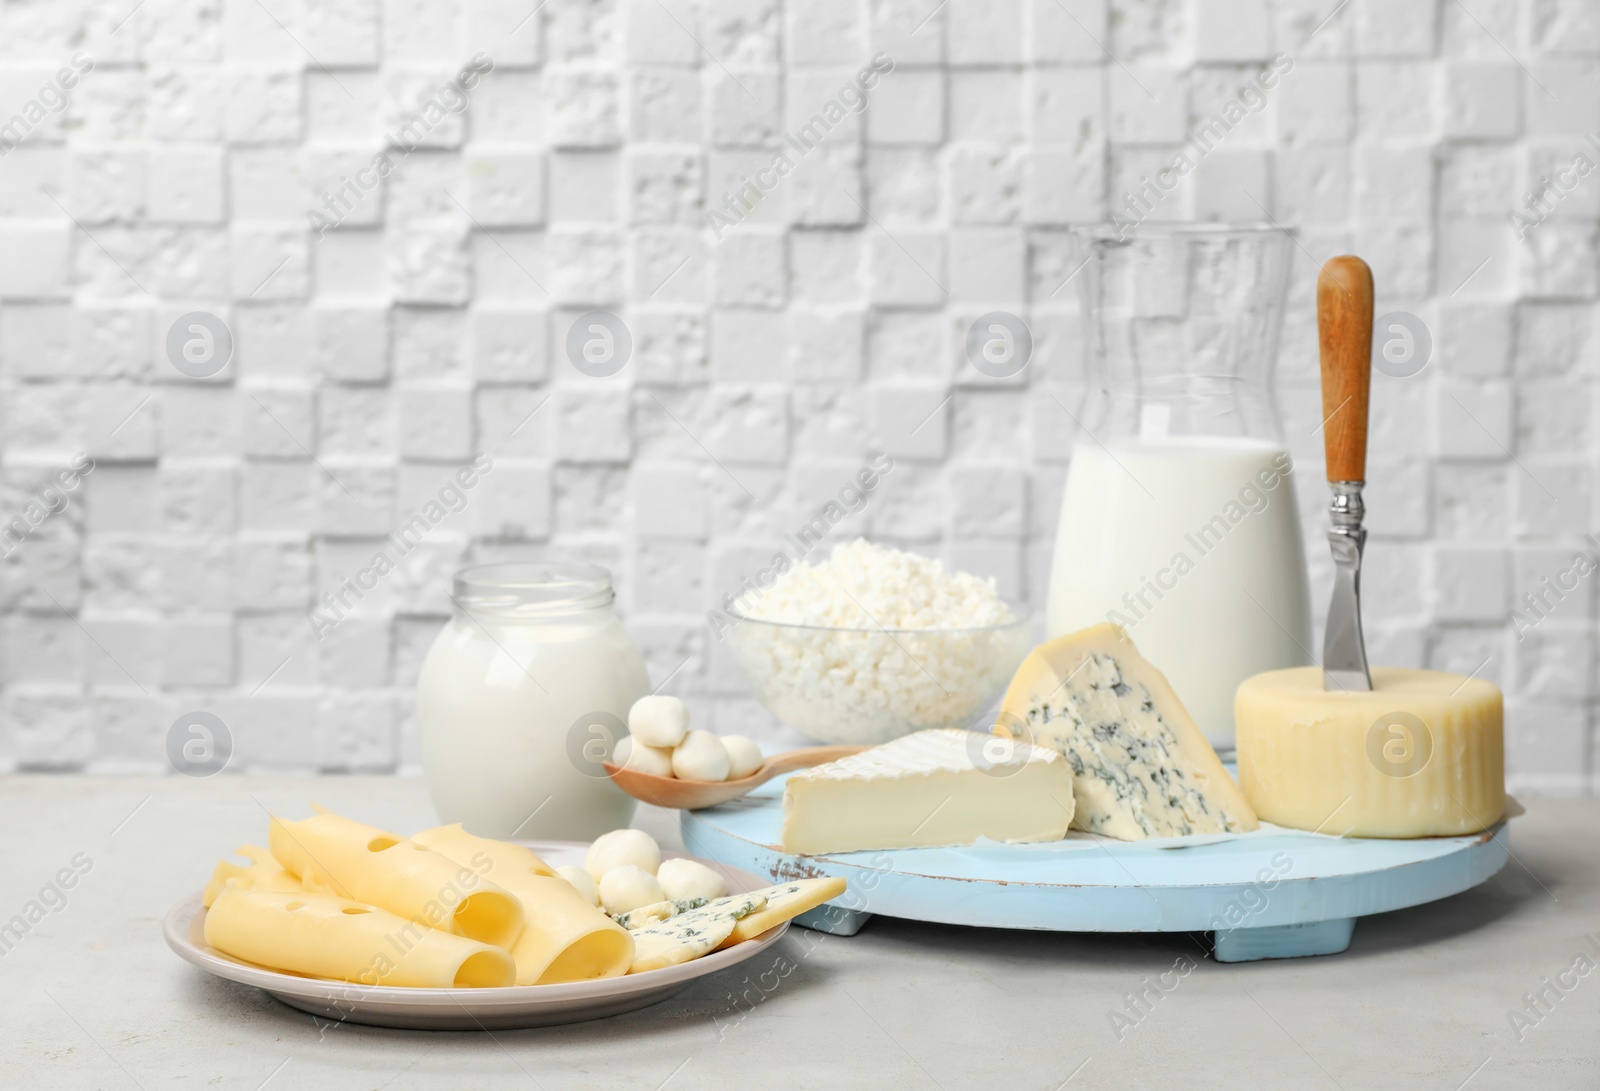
x=656 y=911
x=939 y=787
x=785 y=902
x=693 y=932
x=1140 y=766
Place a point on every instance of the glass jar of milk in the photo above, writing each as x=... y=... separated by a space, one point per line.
x=531 y=673
x=1179 y=520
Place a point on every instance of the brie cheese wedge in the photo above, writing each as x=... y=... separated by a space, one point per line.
x=940 y=787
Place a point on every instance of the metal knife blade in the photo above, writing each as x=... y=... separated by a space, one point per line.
x=1344 y=651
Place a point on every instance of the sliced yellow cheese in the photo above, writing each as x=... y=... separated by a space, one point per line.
x=262 y=873
x=1421 y=754
x=324 y=935
x=376 y=867
x=784 y=902
x=1140 y=766
x=567 y=937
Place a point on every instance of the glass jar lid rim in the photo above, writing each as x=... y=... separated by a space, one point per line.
x=542 y=583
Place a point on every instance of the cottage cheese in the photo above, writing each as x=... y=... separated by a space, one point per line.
x=866 y=586
x=901 y=645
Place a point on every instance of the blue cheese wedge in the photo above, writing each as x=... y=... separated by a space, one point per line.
x=940 y=787
x=1140 y=766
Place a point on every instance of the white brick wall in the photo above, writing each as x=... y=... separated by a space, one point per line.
x=430 y=323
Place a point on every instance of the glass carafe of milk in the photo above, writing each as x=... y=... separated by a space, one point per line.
x=1179 y=520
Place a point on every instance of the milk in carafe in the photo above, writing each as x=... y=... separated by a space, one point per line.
x=1182 y=542
x=1179 y=519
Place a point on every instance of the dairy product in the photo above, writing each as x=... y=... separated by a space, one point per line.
x=629 y=887
x=660 y=744
x=1420 y=754
x=875 y=643
x=262 y=873
x=342 y=900
x=701 y=756
x=864 y=585
x=567 y=937
x=684 y=880
x=323 y=935
x=656 y=912
x=621 y=847
x=944 y=787
x=519 y=702
x=659 y=721
x=1140 y=767
x=785 y=902
x=1193 y=545
x=744 y=756
x=681 y=938
x=374 y=866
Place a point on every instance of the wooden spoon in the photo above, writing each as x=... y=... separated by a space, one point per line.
x=692 y=795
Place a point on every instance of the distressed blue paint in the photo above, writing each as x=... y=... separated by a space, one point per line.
x=1284 y=940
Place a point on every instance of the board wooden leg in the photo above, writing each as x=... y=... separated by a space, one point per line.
x=1283 y=940
x=834 y=920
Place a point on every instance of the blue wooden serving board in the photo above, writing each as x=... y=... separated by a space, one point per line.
x=1272 y=894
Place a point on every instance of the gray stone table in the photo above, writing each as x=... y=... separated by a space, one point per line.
x=1434 y=997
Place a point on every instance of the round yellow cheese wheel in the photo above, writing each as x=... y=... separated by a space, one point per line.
x=1422 y=754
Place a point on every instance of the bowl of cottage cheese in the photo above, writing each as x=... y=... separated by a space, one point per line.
x=874 y=642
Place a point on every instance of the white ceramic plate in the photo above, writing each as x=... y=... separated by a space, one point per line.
x=468 y=1009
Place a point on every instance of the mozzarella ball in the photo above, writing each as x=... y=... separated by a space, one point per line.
x=582 y=880
x=627 y=887
x=620 y=848
x=684 y=879
x=744 y=756
x=700 y=756
x=655 y=760
x=658 y=721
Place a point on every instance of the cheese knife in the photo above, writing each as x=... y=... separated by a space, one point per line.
x=1344 y=335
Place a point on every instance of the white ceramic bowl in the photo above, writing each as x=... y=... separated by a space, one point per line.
x=870 y=685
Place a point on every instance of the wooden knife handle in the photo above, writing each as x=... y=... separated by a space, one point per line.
x=1344 y=333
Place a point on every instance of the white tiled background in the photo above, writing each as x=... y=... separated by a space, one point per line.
x=370 y=363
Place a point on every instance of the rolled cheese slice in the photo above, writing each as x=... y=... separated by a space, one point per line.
x=375 y=867
x=1420 y=755
x=324 y=935
x=262 y=873
x=567 y=937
